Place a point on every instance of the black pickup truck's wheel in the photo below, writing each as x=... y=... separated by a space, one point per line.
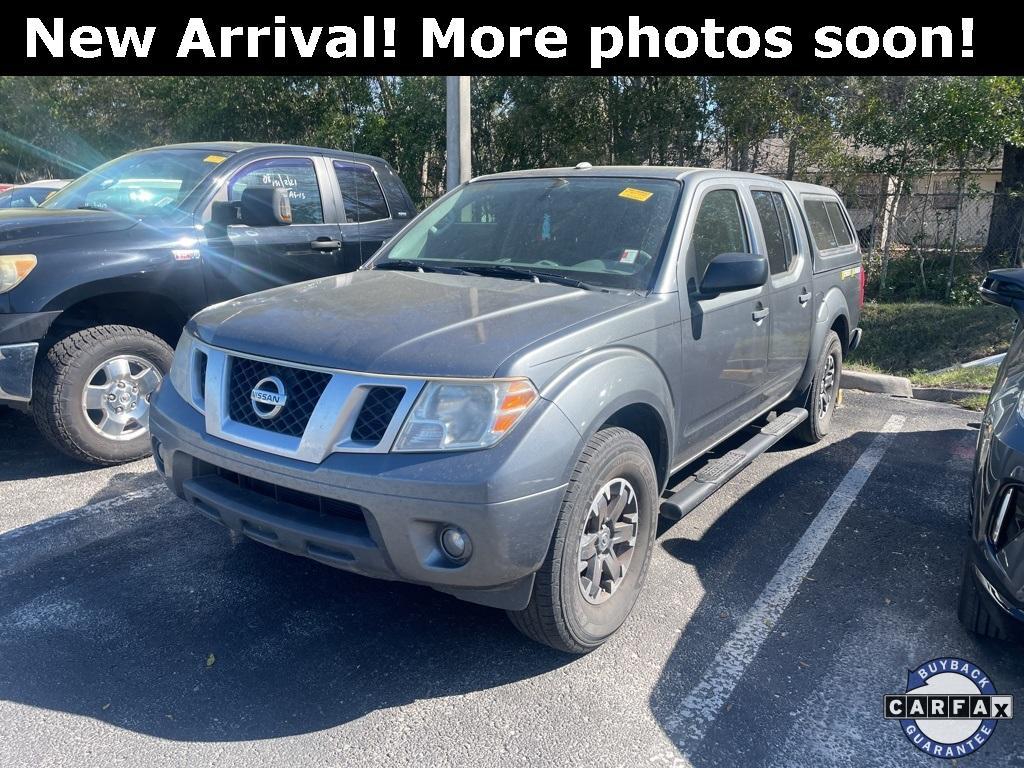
x=824 y=389
x=91 y=392
x=601 y=547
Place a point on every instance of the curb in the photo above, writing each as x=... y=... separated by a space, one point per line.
x=944 y=395
x=898 y=386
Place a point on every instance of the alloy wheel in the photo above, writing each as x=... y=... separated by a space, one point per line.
x=828 y=384
x=117 y=394
x=608 y=540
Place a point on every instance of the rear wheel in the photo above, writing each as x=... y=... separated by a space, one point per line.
x=92 y=391
x=823 y=392
x=601 y=549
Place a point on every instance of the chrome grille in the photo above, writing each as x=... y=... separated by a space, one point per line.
x=326 y=411
x=376 y=414
x=201 y=362
x=302 y=387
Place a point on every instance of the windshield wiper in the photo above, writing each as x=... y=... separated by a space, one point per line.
x=409 y=266
x=522 y=273
x=91 y=208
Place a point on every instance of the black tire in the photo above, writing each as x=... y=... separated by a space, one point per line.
x=60 y=380
x=558 y=614
x=819 y=421
x=976 y=609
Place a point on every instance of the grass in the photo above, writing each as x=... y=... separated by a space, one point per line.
x=973 y=402
x=908 y=338
x=982 y=377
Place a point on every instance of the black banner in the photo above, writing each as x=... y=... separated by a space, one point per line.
x=527 y=42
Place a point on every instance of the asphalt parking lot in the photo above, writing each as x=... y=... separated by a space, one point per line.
x=135 y=632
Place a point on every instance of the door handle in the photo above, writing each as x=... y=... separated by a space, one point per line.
x=804 y=297
x=760 y=314
x=325 y=244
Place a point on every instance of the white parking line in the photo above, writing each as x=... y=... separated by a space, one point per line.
x=88 y=510
x=699 y=709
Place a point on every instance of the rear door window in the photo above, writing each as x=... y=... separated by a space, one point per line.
x=777 y=229
x=361 y=192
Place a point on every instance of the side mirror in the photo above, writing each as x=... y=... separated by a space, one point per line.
x=224 y=214
x=1004 y=287
x=264 y=207
x=729 y=272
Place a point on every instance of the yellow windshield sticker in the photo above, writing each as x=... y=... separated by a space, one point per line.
x=640 y=195
x=214 y=159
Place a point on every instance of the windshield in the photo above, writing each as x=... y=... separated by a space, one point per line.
x=150 y=183
x=601 y=231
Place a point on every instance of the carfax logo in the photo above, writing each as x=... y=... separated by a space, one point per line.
x=950 y=708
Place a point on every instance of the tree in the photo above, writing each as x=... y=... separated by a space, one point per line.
x=747 y=111
x=1006 y=224
x=967 y=119
x=883 y=120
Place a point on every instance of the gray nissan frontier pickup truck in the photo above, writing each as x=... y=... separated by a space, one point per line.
x=494 y=406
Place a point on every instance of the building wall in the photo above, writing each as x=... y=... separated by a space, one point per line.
x=925 y=217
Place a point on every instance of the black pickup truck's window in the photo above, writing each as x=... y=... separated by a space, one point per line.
x=361 y=192
x=603 y=231
x=154 y=182
x=821 y=226
x=777 y=229
x=718 y=229
x=295 y=175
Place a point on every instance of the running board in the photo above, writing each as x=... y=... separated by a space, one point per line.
x=697 y=488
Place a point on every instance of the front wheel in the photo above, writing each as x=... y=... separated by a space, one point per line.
x=977 y=610
x=91 y=392
x=601 y=548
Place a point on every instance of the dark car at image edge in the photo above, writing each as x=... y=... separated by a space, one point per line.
x=97 y=283
x=992 y=581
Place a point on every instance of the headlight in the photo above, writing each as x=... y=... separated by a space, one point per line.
x=14 y=269
x=181 y=366
x=459 y=415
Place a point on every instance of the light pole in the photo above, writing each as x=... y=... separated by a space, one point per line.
x=458 y=124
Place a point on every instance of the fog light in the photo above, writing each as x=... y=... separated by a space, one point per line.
x=455 y=543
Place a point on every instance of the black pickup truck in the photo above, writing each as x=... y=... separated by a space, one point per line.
x=96 y=284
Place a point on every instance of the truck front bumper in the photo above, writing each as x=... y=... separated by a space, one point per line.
x=20 y=333
x=381 y=515
x=17 y=362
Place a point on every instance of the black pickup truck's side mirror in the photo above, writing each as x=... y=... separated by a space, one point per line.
x=729 y=272
x=258 y=207
x=224 y=214
x=265 y=207
x=1004 y=287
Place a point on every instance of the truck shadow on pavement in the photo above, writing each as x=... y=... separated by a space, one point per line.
x=24 y=454
x=161 y=622
x=881 y=598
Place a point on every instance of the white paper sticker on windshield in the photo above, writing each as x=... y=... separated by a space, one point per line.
x=629 y=256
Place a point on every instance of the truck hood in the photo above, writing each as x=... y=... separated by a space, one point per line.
x=401 y=323
x=36 y=223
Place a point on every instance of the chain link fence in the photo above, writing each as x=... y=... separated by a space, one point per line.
x=936 y=244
